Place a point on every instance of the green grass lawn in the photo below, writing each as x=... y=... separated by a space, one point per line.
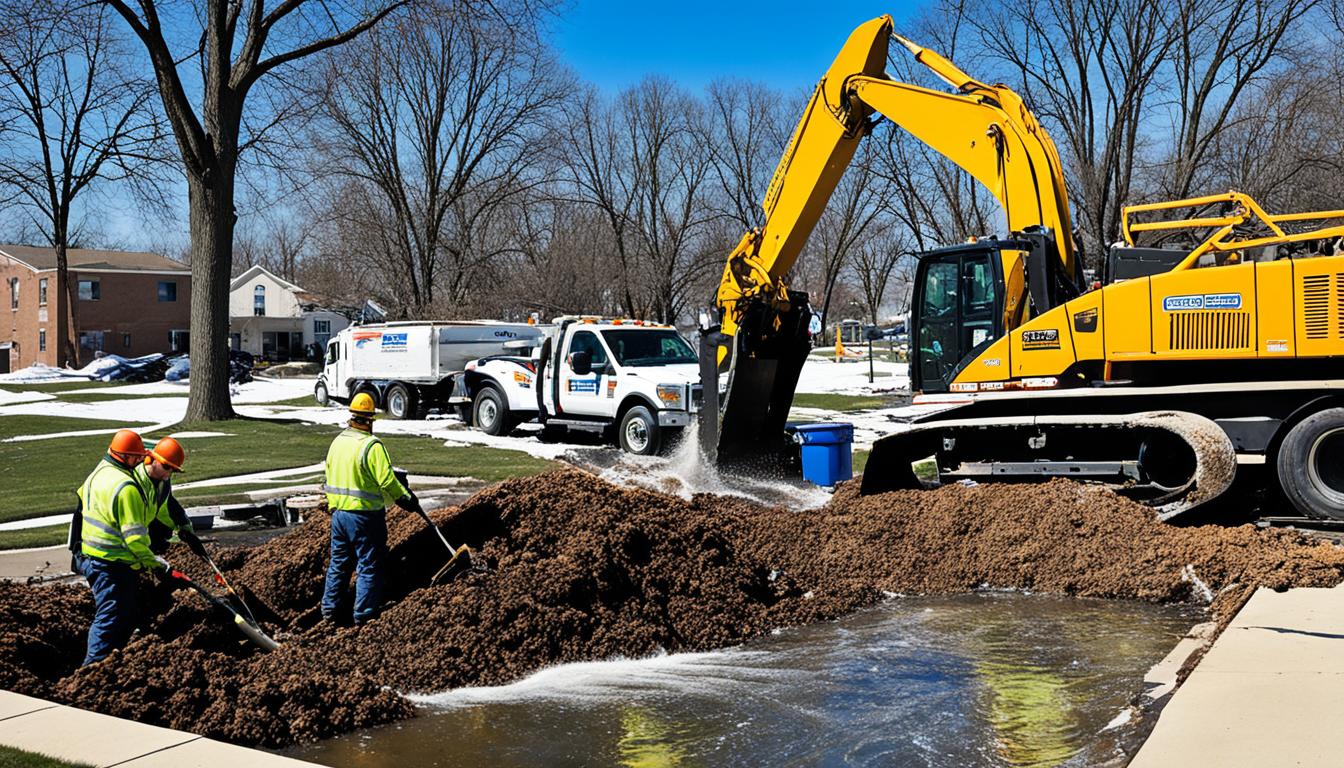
x=54 y=387
x=301 y=400
x=11 y=426
x=40 y=476
x=18 y=758
x=45 y=536
x=103 y=397
x=834 y=401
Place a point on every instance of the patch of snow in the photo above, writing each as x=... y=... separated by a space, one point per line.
x=38 y=374
x=11 y=398
x=821 y=376
x=183 y=435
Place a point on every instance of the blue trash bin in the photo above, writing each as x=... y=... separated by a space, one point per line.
x=827 y=452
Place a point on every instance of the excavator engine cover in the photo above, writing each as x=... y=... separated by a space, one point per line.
x=742 y=424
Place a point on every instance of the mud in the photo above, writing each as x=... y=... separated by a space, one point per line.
x=575 y=568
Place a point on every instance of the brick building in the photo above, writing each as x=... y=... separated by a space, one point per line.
x=129 y=304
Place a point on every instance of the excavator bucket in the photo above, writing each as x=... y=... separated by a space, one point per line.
x=747 y=394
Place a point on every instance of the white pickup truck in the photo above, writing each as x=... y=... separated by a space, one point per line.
x=635 y=381
x=407 y=367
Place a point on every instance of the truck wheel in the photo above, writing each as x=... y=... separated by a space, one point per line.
x=489 y=412
x=639 y=432
x=320 y=394
x=400 y=402
x=1311 y=465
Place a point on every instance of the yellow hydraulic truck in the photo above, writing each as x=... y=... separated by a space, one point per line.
x=1189 y=366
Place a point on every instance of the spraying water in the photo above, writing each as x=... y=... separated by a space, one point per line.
x=685 y=472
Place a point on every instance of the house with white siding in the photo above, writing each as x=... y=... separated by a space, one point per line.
x=274 y=319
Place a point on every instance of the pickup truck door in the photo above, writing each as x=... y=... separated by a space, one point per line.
x=584 y=395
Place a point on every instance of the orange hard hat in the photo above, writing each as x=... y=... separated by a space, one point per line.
x=170 y=453
x=126 y=445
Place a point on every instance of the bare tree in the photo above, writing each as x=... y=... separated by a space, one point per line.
x=1091 y=72
x=874 y=268
x=240 y=43
x=436 y=124
x=662 y=130
x=1220 y=49
x=744 y=133
x=75 y=114
x=856 y=216
x=596 y=170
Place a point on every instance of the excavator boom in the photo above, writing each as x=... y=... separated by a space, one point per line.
x=752 y=356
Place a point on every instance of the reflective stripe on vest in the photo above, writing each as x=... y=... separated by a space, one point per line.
x=103 y=535
x=349 y=484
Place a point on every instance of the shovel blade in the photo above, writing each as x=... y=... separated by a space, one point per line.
x=456 y=565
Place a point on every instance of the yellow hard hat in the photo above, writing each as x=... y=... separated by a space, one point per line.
x=362 y=405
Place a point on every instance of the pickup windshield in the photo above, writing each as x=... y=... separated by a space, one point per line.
x=646 y=347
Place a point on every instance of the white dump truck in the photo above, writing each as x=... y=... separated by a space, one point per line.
x=637 y=382
x=408 y=367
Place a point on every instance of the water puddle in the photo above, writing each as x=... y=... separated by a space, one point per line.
x=995 y=679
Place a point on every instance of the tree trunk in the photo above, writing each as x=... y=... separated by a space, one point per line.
x=65 y=297
x=212 y=222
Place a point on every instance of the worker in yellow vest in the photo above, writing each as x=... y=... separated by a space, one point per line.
x=360 y=483
x=113 y=543
x=166 y=514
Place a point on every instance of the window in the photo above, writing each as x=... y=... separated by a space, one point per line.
x=167 y=290
x=42 y=292
x=333 y=352
x=642 y=348
x=42 y=340
x=91 y=340
x=259 y=301
x=586 y=341
x=126 y=340
x=178 y=341
x=14 y=293
x=321 y=333
x=90 y=290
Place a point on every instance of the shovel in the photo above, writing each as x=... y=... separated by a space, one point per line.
x=248 y=628
x=458 y=557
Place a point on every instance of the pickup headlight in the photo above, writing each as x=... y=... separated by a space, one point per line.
x=670 y=394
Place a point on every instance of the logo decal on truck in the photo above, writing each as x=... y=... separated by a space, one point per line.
x=364 y=337
x=394 y=342
x=583 y=386
x=1204 y=301
x=1042 y=339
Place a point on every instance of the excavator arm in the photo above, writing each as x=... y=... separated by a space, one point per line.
x=761 y=340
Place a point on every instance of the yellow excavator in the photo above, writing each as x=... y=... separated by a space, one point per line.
x=1211 y=348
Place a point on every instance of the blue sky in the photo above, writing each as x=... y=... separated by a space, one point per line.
x=787 y=45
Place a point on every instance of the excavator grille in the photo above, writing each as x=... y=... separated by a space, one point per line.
x=1316 y=306
x=1210 y=330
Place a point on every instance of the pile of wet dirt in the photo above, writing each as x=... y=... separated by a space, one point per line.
x=573 y=568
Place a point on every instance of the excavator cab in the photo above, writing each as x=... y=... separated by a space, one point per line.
x=957 y=311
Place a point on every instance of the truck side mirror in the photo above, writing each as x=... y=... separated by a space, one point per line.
x=581 y=362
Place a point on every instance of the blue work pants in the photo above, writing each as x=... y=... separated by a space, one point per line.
x=114 y=605
x=359 y=543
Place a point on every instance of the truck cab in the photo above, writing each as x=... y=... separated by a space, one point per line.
x=635 y=382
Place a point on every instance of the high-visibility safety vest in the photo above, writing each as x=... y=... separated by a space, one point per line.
x=115 y=516
x=359 y=473
x=158 y=494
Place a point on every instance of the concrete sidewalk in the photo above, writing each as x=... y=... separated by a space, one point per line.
x=81 y=736
x=1269 y=692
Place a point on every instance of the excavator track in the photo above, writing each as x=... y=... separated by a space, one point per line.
x=1173 y=461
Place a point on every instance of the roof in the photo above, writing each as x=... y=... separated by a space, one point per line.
x=256 y=269
x=44 y=259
